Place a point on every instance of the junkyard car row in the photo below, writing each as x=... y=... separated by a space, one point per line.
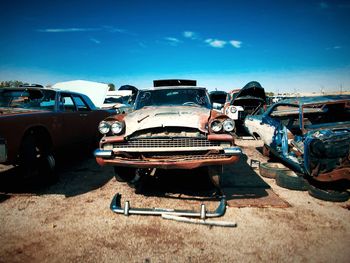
x=174 y=126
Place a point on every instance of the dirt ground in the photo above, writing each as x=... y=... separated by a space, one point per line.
x=70 y=221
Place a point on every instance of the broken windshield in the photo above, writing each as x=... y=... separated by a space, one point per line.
x=173 y=97
x=27 y=98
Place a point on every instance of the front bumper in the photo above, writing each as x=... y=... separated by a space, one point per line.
x=228 y=155
x=3 y=150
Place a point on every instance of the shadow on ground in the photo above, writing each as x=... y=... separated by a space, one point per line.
x=77 y=174
x=81 y=175
x=238 y=181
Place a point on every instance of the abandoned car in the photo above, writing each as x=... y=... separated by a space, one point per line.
x=218 y=99
x=35 y=122
x=172 y=127
x=121 y=100
x=310 y=135
x=249 y=100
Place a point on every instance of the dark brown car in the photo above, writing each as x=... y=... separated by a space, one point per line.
x=36 y=122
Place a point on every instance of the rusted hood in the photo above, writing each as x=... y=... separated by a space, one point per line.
x=154 y=117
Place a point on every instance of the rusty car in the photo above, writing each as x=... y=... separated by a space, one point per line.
x=35 y=122
x=249 y=100
x=171 y=127
x=218 y=98
x=310 y=135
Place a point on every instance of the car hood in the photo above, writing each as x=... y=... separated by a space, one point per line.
x=175 y=116
x=251 y=91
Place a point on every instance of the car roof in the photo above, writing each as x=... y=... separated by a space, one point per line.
x=174 y=87
x=41 y=89
x=316 y=100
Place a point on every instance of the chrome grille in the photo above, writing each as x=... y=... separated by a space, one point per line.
x=168 y=143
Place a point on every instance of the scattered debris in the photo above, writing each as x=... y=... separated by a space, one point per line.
x=199 y=221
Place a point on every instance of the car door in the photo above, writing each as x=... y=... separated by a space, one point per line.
x=73 y=120
x=88 y=125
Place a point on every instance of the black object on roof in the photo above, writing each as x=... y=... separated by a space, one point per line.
x=129 y=87
x=174 y=82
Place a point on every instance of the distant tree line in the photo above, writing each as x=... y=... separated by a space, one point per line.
x=11 y=84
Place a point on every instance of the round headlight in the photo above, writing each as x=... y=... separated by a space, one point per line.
x=117 y=127
x=104 y=127
x=216 y=126
x=228 y=125
x=233 y=109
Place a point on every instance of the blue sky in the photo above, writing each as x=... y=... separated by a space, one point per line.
x=285 y=45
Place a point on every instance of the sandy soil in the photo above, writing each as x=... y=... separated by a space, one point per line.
x=70 y=221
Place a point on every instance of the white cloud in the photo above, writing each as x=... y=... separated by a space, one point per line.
x=173 y=41
x=236 y=43
x=334 y=47
x=190 y=35
x=215 y=42
x=110 y=29
x=95 y=40
x=323 y=5
x=65 y=30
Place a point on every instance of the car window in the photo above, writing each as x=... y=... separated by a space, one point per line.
x=67 y=103
x=28 y=99
x=283 y=110
x=80 y=103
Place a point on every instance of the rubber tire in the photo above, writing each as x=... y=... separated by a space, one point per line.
x=36 y=160
x=328 y=195
x=215 y=174
x=124 y=174
x=291 y=181
x=270 y=170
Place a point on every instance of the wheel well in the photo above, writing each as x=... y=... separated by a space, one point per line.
x=41 y=134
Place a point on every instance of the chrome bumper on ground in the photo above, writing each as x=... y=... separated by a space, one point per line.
x=203 y=213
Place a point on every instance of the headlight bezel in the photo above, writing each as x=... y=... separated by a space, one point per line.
x=117 y=130
x=228 y=125
x=216 y=126
x=104 y=127
x=222 y=125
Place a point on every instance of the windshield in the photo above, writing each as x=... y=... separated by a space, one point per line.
x=193 y=97
x=114 y=100
x=27 y=98
x=318 y=115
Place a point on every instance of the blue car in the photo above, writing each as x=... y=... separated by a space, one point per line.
x=310 y=135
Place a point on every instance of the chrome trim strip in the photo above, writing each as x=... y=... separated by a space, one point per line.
x=103 y=153
x=233 y=151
